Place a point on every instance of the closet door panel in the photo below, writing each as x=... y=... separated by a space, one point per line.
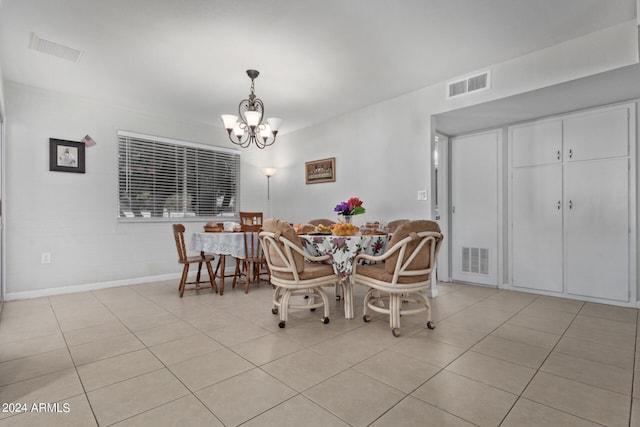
x=538 y=143
x=597 y=229
x=537 y=228
x=597 y=134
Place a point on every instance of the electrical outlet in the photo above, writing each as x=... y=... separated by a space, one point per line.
x=422 y=194
x=46 y=257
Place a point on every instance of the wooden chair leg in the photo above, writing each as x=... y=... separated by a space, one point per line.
x=236 y=273
x=198 y=275
x=247 y=276
x=183 y=280
x=212 y=277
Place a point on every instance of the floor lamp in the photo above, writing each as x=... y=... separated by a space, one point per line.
x=269 y=172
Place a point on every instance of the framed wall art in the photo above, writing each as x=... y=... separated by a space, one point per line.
x=66 y=156
x=318 y=171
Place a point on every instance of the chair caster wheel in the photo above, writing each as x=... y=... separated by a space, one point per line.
x=366 y=318
x=431 y=325
x=274 y=311
x=312 y=309
x=306 y=297
x=395 y=332
x=325 y=320
x=338 y=297
x=281 y=324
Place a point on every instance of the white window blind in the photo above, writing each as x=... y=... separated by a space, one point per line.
x=165 y=178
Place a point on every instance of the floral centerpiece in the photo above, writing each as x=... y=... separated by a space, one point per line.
x=353 y=206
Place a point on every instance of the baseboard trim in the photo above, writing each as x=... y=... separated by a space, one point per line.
x=13 y=296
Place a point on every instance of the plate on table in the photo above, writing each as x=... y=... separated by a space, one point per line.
x=319 y=233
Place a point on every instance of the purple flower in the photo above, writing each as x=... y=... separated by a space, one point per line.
x=353 y=206
x=342 y=207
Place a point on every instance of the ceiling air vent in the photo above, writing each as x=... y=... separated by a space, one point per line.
x=54 y=48
x=469 y=84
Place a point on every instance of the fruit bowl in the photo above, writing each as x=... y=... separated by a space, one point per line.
x=344 y=229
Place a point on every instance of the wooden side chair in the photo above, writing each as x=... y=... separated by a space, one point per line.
x=251 y=221
x=253 y=265
x=183 y=258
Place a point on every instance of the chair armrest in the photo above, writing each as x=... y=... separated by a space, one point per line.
x=383 y=256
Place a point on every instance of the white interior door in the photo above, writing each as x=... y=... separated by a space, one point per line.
x=474 y=207
x=597 y=229
x=537 y=228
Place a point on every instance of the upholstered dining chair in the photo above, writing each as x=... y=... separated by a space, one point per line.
x=401 y=274
x=294 y=272
x=186 y=261
x=392 y=226
x=322 y=221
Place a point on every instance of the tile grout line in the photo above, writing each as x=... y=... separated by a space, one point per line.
x=75 y=367
x=452 y=361
x=190 y=392
x=633 y=375
x=520 y=396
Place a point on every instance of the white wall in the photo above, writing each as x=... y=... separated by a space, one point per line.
x=382 y=151
x=379 y=165
x=73 y=216
x=382 y=156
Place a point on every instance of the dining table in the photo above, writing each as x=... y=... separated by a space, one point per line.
x=222 y=244
x=342 y=251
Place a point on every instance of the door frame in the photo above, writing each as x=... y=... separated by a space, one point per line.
x=440 y=201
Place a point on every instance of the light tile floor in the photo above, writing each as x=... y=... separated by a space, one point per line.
x=141 y=356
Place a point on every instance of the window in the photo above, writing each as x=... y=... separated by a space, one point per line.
x=165 y=178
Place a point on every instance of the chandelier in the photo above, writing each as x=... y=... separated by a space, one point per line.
x=247 y=127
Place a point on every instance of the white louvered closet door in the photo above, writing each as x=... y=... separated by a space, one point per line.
x=474 y=231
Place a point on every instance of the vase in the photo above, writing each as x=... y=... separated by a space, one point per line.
x=347 y=218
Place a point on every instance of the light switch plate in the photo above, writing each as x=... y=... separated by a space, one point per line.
x=422 y=194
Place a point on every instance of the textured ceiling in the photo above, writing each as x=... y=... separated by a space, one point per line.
x=317 y=59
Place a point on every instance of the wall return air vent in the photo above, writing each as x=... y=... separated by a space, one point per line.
x=475 y=260
x=468 y=85
x=54 y=48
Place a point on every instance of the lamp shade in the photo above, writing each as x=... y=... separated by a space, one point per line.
x=229 y=121
x=252 y=118
x=274 y=123
x=269 y=171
